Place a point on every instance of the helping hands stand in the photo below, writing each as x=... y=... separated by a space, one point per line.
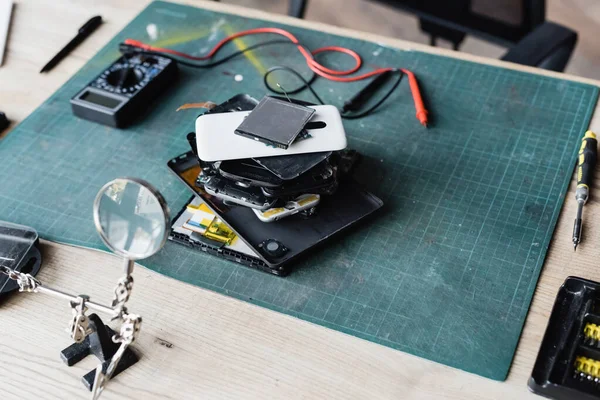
x=90 y=334
x=140 y=209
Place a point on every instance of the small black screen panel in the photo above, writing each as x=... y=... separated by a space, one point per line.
x=96 y=98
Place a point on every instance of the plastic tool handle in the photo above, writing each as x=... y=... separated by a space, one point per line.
x=367 y=92
x=588 y=155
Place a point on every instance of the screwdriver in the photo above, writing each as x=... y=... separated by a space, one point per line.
x=586 y=162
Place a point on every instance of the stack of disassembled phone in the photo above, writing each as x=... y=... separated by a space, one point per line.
x=271 y=179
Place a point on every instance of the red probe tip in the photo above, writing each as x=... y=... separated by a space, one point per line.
x=422 y=117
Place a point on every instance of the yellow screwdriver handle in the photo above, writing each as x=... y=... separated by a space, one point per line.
x=586 y=162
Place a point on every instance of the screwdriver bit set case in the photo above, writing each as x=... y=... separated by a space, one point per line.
x=568 y=362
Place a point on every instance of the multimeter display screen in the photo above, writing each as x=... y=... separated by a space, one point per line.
x=96 y=98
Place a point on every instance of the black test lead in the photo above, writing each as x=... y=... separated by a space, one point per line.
x=586 y=162
x=358 y=100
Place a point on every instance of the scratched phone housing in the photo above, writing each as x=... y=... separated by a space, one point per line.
x=572 y=333
x=18 y=251
x=348 y=205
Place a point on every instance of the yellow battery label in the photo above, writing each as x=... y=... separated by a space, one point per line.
x=273 y=211
x=307 y=200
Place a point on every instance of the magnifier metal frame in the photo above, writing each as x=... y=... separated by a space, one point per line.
x=161 y=202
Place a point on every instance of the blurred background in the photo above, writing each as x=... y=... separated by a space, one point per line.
x=400 y=20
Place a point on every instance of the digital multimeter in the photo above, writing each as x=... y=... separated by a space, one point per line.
x=122 y=91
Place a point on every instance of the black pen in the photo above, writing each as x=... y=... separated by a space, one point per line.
x=85 y=31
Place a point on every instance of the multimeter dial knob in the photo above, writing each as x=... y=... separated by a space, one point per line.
x=125 y=78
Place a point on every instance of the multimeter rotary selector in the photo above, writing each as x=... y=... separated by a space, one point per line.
x=124 y=90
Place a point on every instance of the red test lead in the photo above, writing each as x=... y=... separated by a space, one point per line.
x=314 y=65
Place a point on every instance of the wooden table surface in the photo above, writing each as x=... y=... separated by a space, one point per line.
x=196 y=344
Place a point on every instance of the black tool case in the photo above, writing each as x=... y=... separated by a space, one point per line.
x=575 y=316
x=19 y=250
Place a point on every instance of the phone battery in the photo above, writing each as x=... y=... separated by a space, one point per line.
x=275 y=122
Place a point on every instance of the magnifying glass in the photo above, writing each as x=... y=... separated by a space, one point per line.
x=131 y=217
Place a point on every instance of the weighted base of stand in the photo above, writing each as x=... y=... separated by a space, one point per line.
x=129 y=358
x=100 y=344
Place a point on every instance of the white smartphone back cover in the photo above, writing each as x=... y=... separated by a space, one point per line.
x=217 y=141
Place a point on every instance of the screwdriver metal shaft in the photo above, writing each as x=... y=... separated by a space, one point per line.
x=586 y=162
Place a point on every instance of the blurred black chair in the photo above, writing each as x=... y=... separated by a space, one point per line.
x=519 y=25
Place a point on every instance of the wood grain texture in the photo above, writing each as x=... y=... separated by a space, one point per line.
x=197 y=344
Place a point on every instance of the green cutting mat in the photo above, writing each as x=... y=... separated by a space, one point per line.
x=446 y=271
